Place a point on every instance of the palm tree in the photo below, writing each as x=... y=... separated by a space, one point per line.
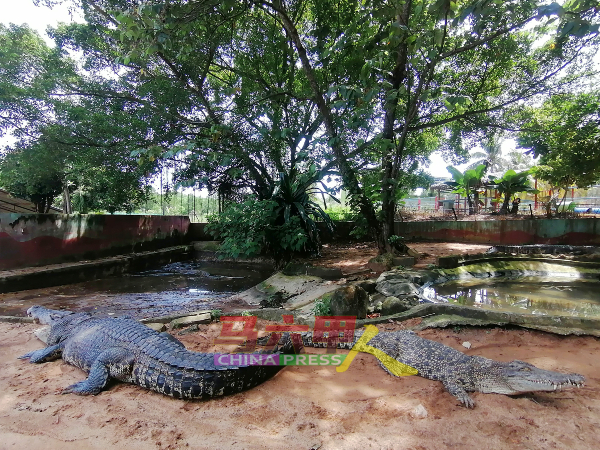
x=491 y=154
x=468 y=184
x=509 y=184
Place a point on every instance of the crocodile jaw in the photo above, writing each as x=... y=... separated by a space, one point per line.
x=518 y=377
x=46 y=316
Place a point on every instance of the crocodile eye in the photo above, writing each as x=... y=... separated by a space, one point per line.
x=526 y=369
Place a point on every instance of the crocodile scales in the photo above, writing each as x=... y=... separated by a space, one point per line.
x=458 y=372
x=126 y=350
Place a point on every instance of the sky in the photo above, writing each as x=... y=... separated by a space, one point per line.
x=40 y=17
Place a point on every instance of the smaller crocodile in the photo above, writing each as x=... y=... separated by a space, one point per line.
x=458 y=372
x=122 y=348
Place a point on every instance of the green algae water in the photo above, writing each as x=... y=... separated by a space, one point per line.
x=534 y=295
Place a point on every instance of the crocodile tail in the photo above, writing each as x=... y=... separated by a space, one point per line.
x=191 y=375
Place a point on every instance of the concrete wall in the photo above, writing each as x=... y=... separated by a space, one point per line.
x=36 y=239
x=508 y=232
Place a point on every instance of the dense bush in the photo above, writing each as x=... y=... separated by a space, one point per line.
x=251 y=229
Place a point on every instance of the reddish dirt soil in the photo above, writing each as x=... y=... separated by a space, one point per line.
x=309 y=407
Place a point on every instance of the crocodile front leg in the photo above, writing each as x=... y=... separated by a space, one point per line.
x=45 y=354
x=114 y=362
x=459 y=393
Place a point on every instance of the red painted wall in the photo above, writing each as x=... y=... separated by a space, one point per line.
x=36 y=239
x=507 y=232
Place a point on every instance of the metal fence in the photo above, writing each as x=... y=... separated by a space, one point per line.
x=458 y=208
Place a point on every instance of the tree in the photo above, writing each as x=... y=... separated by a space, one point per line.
x=491 y=154
x=65 y=142
x=565 y=133
x=509 y=184
x=382 y=83
x=417 y=57
x=468 y=184
x=33 y=172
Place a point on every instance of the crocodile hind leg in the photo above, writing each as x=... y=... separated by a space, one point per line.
x=114 y=362
x=45 y=354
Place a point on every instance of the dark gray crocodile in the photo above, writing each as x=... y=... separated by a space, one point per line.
x=124 y=349
x=458 y=372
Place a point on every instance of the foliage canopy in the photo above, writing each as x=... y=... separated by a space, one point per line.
x=238 y=92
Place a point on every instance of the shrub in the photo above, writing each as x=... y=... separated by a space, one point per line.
x=242 y=228
x=322 y=306
x=280 y=227
x=249 y=229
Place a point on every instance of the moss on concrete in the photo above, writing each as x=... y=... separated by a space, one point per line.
x=518 y=266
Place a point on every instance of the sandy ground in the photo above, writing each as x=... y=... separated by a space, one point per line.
x=306 y=407
x=309 y=407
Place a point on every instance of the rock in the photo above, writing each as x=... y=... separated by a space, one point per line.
x=396 y=288
x=447 y=262
x=190 y=320
x=349 y=301
x=394 y=305
x=327 y=273
x=367 y=285
x=376 y=298
x=414 y=253
x=404 y=261
x=375 y=302
x=160 y=327
x=381 y=262
x=419 y=412
x=466 y=344
x=393 y=274
x=414 y=276
x=299 y=290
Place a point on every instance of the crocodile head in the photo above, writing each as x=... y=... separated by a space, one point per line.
x=61 y=323
x=518 y=377
x=47 y=316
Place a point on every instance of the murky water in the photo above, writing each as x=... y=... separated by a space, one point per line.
x=532 y=295
x=176 y=287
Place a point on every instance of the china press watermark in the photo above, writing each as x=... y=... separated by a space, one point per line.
x=329 y=330
x=276 y=359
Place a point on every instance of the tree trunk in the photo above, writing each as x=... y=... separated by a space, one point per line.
x=389 y=163
x=348 y=174
x=504 y=209
x=386 y=228
x=66 y=200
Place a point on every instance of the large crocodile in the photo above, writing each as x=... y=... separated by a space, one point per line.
x=126 y=350
x=458 y=372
